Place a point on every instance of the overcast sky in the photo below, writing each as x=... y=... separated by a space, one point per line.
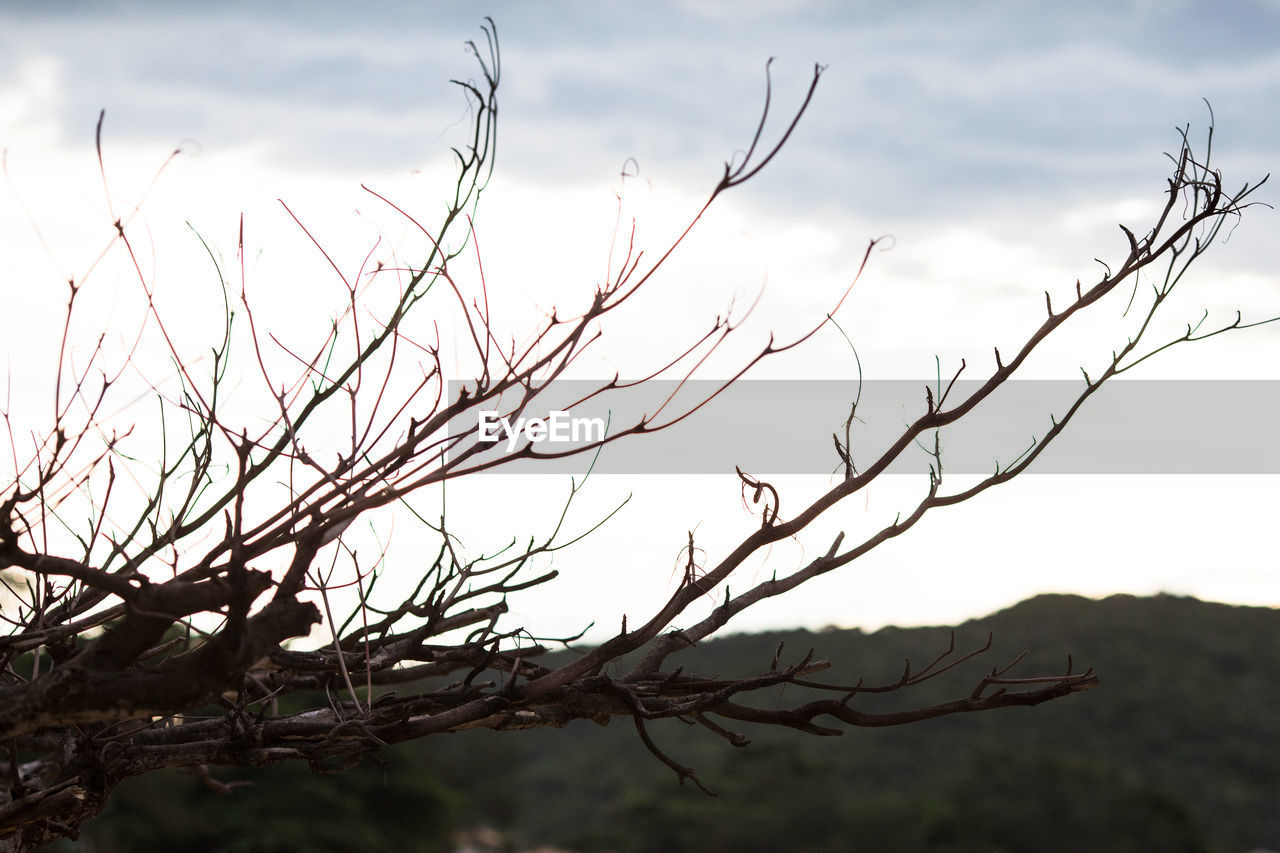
x=997 y=143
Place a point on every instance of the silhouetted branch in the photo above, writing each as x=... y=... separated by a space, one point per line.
x=163 y=579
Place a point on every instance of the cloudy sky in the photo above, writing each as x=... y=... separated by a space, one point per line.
x=999 y=144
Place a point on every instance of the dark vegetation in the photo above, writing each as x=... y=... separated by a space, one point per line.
x=1174 y=751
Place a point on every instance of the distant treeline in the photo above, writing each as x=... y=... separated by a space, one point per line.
x=1178 y=749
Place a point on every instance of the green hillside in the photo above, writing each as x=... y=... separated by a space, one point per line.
x=1177 y=749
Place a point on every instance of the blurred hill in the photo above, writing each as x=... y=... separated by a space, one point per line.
x=1177 y=749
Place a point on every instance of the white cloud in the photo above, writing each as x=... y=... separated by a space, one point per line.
x=999 y=160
